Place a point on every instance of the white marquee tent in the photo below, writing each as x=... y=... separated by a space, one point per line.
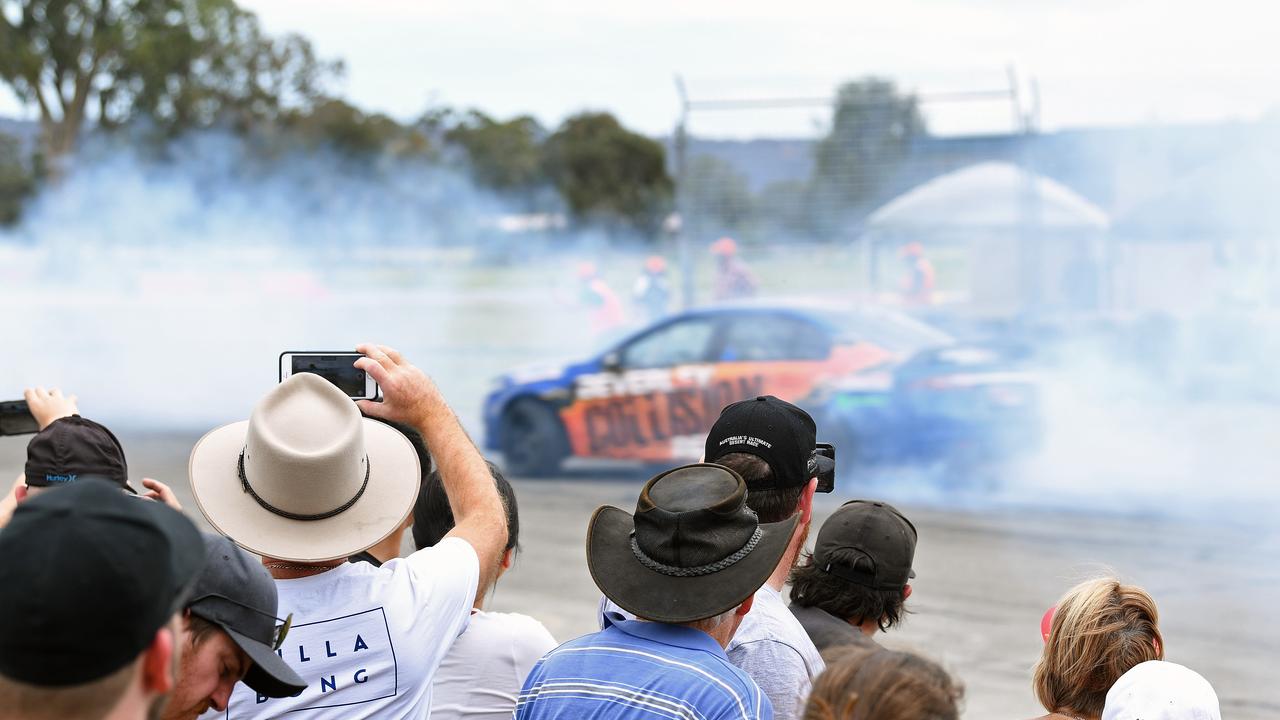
x=1029 y=240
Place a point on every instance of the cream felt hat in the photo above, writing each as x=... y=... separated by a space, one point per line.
x=305 y=478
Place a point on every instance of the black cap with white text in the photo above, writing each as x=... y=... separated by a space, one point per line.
x=774 y=430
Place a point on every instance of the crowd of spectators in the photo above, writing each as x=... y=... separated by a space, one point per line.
x=114 y=606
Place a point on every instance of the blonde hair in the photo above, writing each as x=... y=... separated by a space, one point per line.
x=874 y=684
x=1100 y=630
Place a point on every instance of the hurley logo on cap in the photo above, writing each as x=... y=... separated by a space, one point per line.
x=59 y=478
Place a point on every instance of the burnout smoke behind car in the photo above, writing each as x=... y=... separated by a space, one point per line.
x=162 y=293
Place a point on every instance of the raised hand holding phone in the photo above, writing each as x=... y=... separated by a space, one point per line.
x=337 y=367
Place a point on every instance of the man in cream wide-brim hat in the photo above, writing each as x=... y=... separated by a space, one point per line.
x=307 y=482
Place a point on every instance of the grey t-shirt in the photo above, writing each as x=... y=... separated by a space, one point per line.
x=773 y=648
x=827 y=630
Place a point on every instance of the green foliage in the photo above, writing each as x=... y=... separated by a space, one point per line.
x=344 y=128
x=871 y=133
x=17 y=180
x=501 y=155
x=179 y=63
x=170 y=66
x=606 y=173
x=716 y=196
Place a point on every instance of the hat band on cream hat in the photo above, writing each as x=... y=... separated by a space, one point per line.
x=244 y=480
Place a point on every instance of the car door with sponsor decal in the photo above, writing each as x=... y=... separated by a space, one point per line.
x=650 y=402
x=666 y=388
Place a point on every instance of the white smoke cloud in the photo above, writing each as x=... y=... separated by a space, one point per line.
x=163 y=291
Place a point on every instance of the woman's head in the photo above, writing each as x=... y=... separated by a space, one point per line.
x=433 y=518
x=1099 y=631
x=875 y=684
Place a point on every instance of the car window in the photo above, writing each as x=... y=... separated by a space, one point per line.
x=893 y=331
x=764 y=338
x=681 y=342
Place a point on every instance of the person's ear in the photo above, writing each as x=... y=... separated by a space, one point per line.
x=20 y=492
x=806 y=501
x=508 y=557
x=906 y=592
x=157 y=663
x=745 y=607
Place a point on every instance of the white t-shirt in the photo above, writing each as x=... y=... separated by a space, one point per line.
x=368 y=640
x=772 y=647
x=482 y=675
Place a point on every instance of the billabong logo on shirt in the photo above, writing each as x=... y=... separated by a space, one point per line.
x=345 y=661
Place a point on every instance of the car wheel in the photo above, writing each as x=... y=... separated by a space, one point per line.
x=533 y=439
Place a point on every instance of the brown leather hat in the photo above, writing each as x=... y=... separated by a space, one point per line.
x=692 y=550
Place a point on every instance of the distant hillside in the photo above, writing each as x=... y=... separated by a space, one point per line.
x=1113 y=167
x=761 y=161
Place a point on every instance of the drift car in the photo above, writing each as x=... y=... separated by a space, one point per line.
x=880 y=384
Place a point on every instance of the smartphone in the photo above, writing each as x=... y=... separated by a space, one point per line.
x=827 y=478
x=16 y=418
x=336 y=367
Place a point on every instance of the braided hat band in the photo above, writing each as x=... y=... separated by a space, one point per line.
x=699 y=570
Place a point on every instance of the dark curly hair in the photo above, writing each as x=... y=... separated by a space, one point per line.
x=811 y=587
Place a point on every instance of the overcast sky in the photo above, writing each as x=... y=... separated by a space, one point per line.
x=1097 y=62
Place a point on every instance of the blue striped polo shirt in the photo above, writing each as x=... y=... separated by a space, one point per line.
x=637 y=669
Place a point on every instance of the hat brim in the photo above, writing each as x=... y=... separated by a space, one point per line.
x=269 y=675
x=653 y=596
x=394 y=479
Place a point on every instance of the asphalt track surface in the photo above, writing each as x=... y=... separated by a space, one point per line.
x=984 y=578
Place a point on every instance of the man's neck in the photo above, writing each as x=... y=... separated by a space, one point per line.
x=389 y=547
x=292 y=570
x=780 y=573
x=788 y=561
x=868 y=627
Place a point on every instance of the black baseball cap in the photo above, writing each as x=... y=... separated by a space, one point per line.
x=238 y=595
x=71 y=448
x=89 y=574
x=774 y=430
x=869 y=543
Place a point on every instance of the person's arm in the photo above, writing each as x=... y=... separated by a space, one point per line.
x=409 y=396
x=9 y=502
x=160 y=492
x=49 y=405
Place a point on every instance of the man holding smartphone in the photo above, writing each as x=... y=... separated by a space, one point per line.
x=67 y=448
x=306 y=483
x=771 y=444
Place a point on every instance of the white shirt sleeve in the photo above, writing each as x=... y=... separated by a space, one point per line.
x=443 y=580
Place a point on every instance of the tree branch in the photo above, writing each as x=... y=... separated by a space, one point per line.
x=45 y=115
